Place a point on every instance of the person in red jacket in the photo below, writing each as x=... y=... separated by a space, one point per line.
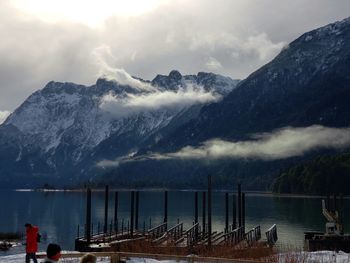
x=32 y=242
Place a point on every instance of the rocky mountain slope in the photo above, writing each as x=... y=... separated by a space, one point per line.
x=308 y=83
x=63 y=130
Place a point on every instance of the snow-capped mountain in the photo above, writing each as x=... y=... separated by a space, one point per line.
x=308 y=83
x=61 y=127
x=64 y=129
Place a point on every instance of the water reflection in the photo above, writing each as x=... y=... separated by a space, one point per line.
x=58 y=213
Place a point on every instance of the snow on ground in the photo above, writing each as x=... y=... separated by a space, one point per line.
x=317 y=257
x=19 y=258
x=305 y=257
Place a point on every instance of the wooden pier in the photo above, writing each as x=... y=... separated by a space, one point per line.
x=117 y=257
x=120 y=233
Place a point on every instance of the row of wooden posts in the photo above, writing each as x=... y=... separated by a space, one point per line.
x=206 y=211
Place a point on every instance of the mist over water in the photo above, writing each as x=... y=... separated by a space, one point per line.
x=58 y=213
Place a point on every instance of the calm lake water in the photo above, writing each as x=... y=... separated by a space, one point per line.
x=58 y=213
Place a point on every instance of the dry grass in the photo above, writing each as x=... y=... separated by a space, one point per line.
x=258 y=252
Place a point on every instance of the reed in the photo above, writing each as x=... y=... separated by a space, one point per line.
x=259 y=252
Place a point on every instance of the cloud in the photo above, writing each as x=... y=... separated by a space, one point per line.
x=128 y=104
x=104 y=58
x=213 y=64
x=280 y=144
x=4 y=115
x=262 y=46
x=242 y=35
x=257 y=45
x=109 y=163
x=93 y=14
x=116 y=162
x=147 y=98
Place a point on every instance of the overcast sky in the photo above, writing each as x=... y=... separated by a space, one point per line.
x=45 y=40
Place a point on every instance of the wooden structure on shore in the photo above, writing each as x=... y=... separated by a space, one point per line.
x=333 y=238
x=111 y=237
x=117 y=257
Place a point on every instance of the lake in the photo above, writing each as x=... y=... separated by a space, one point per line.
x=58 y=213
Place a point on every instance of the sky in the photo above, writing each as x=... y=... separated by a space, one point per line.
x=64 y=40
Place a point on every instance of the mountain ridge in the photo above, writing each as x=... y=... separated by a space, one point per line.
x=306 y=84
x=67 y=124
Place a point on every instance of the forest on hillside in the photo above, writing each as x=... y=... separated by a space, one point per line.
x=322 y=175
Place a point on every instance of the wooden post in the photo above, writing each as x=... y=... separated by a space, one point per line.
x=122 y=226
x=243 y=211
x=203 y=212
x=110 y=228
x=196 y=212
x=328 y=203
x=196 y=207
x=132 y=210
x=137 y=211
x=234 y=212
x=239 y=204
x=116 y=201
x=105 y=226
x=226 y=212
x=115 y=258
x=209 y=211
x=340 y=211
x=88 y=215
x=166 y=207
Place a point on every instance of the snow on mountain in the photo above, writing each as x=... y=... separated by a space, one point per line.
x=304 y=85
x=67 y=121
x=3 y=116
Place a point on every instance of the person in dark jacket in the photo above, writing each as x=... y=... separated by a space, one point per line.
x=53 y=253
x=88 y=258
x=31 y=242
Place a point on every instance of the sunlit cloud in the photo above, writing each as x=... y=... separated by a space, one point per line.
x=104 y=59
x=91 y=13
x=213 y=64
x=46 y=40
x=146 y=98
x=129 y=104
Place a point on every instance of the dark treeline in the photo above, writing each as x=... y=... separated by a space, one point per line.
x=322 y=175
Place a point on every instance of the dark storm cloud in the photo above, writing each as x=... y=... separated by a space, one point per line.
x=229 y=37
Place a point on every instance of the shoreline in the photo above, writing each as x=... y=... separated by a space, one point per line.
x=248 y=192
